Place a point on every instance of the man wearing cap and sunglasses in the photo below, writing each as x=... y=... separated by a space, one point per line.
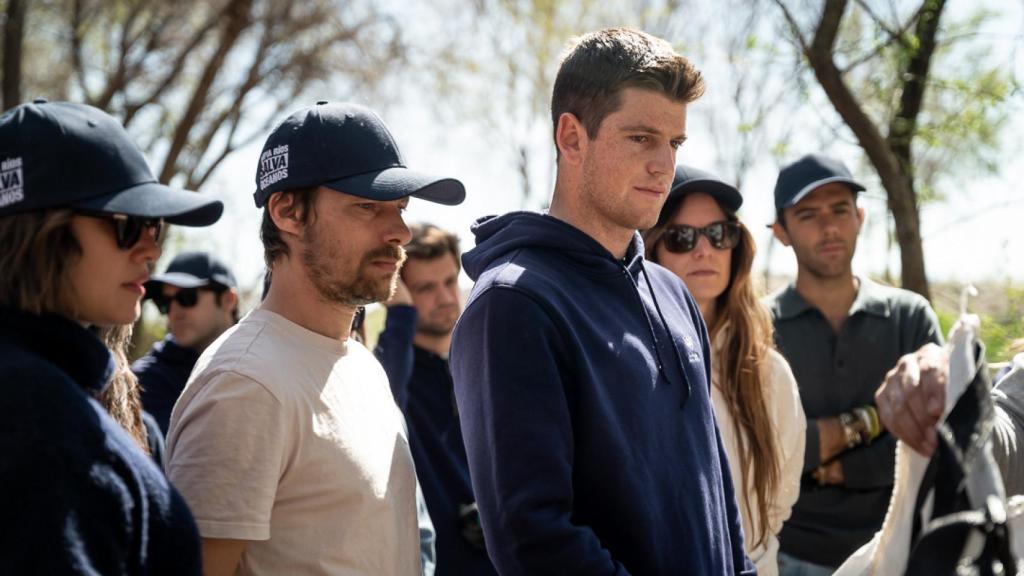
x=840 y=333
x=199 y=296
x=286 y=442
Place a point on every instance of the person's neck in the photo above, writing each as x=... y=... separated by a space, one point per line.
x=708 y=311
x=566 y=207
x=432 y=343
x=833 y=296
x=293 y=296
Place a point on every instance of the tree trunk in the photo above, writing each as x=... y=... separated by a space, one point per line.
x=14 y=39
x=902 y=129
x=890 y=156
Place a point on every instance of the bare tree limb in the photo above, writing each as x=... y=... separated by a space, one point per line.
x=794 y=26
x=179 y=61
x=78 y=24
x=238 y=19
x=14 y=40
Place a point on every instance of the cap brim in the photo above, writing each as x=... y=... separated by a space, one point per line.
x=818 y=183
x=155 y=200
x=398 y=182
x=722 y=193
x=180 y=280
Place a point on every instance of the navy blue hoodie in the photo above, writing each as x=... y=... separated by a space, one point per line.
x=163 y=373
x=79 y=495
x=583 y=386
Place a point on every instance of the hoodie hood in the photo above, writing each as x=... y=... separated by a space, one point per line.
x=500 y=236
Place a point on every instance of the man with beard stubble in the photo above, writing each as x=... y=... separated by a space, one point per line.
x=840 y=333
x=582 y=372
x=286 y=442
x=413 y=348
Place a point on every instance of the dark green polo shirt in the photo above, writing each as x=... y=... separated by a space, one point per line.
x=836 y=373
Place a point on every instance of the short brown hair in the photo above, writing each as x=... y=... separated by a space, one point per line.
x=430 y=242
x=39 y=252
x=599 y=65
x=274 y=246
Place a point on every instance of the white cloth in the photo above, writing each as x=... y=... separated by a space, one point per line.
x=787 y=416
x=1008 y=432
x=889 y=551
x=292 y=441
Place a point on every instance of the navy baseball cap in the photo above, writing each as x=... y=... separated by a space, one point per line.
x=192 y=270
x=348 y=148
x=808 y=173
x=66 y=155
x=689 y=180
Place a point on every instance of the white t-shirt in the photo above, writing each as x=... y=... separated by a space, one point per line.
x=790 y=424
x=292 y=441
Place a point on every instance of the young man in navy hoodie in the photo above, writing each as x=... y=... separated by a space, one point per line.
x=582 y=371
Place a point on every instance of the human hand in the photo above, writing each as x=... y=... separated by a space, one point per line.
x=911 y=400
x=401 y=297
x=830 y=474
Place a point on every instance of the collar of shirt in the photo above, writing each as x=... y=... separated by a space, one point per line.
x=868 y=301
x=69 y=346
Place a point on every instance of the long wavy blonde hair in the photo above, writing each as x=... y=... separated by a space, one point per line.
x=39 y=253
x=742 y=365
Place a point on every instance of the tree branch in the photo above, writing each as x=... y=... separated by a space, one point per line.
x=14 y=40
x=238 y=20
x=132 y=108
x=903 y=125
x=794 y=27
x=78 y=25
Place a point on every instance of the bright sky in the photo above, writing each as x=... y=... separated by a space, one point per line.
x=974 y=236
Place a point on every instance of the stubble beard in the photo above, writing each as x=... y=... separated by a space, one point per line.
x=431 y=328
x=323 y=263
x=600 y=208
x=824 y=270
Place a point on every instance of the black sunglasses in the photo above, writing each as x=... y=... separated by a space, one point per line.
x=680 y=238
x=185 y=297
x=128 y=229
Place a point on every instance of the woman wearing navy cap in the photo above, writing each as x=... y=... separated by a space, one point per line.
x=80 y=219
x=699 y=237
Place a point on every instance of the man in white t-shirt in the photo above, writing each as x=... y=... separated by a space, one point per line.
x=286 y=441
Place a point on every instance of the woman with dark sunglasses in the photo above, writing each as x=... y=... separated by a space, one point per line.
x=80 y=219
x=699 y=237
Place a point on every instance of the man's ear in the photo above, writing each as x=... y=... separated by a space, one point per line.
x=229 y=299
x=570 y=137
x=286 y=212
x=780 y=233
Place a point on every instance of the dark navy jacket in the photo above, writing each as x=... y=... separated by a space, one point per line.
x=422 y=386
x=79 y=495
x=584 y=388
x=163 y=373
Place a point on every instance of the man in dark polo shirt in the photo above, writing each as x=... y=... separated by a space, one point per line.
x=413 y=348
x=840 y=333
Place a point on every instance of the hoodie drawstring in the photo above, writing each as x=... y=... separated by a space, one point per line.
x=671 y=341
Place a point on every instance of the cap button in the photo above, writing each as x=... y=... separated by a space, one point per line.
x=40 y=101
x=321 y=102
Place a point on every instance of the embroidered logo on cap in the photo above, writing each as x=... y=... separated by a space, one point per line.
x=274 y=166
x=11 y=179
